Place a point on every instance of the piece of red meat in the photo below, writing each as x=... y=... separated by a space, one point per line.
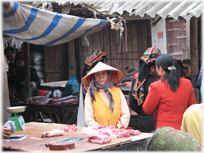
x=100 y=139
x=69 y=128
x=123 y=134
x=53 y=133
x=134 y=132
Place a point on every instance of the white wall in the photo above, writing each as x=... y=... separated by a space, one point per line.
x=160 y=43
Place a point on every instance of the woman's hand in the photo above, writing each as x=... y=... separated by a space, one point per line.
x=6 y=132
x=119 y=125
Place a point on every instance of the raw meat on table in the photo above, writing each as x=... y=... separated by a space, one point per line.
x=52 y=133
x=100 y=139
x=69 y=128
x=103 y=134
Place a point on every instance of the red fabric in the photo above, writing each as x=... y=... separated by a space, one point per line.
x=42 y=92
x=170 y=105
x=115 y=74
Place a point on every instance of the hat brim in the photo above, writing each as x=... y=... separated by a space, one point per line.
x=102 y=67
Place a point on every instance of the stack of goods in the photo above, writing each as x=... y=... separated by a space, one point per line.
x=38 y=64
x=56 y=101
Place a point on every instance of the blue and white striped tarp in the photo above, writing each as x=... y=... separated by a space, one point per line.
x=46 y=28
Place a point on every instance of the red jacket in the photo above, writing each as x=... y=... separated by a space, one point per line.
x=170 y=105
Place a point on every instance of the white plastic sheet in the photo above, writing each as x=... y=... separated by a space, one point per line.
x=81 y=111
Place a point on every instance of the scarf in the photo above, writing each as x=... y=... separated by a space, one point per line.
x=150 y=55
x=105 y=87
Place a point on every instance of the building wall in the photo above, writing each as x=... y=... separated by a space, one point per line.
x=160 y=29
x=138 y=40
x=160 y=43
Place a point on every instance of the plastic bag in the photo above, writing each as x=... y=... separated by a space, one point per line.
x=81 y=111
x=10 y=125
x=72 y=86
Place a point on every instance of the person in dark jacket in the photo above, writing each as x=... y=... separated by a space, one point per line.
x=20 y=76
x=147 y=75
x=10 y=53
x=187 y=69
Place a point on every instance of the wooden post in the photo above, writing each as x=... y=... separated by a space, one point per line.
x=194 y=53
x=71 y=59
x=27 y=72
x=78 y=52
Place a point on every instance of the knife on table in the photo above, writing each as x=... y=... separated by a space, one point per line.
x=72 y=140
x=62 y=140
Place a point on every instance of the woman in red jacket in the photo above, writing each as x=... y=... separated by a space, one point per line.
x=170 y=96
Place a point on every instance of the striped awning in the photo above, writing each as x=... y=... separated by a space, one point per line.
x=46 y=28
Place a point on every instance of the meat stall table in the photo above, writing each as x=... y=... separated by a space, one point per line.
x=58 y=114
x=34 y=142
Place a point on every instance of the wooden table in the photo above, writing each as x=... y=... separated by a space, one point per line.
x=58 y=114
x=34 y=140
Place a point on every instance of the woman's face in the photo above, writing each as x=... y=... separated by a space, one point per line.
x=101 y=77
x=10 y=56
x=159 y=71
x=20 y=63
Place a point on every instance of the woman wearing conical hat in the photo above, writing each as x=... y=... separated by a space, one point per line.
x=105 y=104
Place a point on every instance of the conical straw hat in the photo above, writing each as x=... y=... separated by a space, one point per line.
x=102 y=67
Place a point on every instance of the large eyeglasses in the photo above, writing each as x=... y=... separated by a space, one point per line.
x=100 y=74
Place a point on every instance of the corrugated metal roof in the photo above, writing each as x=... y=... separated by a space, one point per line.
x=164 y=9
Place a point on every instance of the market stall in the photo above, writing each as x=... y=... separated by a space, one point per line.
x=34 y=142
x=56 y=110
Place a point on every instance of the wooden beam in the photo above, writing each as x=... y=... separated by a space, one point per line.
x=78 y=52
x=194 y=53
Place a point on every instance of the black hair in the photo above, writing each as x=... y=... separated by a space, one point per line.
x=171 y=77
x=179 y=67
x=12 y=49
x=150 y=64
